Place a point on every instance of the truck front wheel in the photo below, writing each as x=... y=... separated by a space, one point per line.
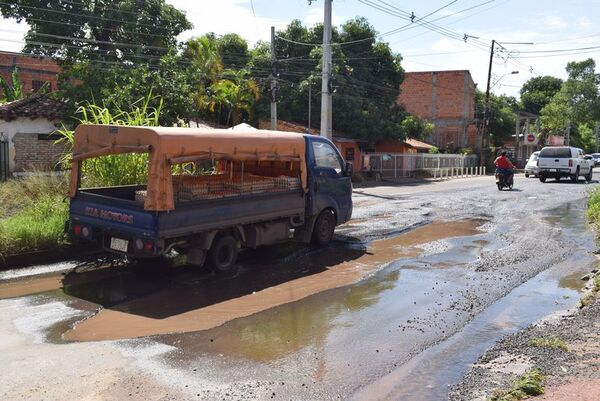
x=324 y=227
x=223 y=253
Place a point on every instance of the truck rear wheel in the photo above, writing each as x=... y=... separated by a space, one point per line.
x=223 y=253
x=324 y=227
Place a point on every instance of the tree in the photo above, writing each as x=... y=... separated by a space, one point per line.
x=577 y=103
x=502 y=119
x=538 y=91
x=236 y=93
x=417 y=128
x=100 y=31
x=366 y=79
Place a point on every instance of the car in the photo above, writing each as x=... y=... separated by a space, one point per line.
x=563 y=161
x=531 y=168
x=596 y=158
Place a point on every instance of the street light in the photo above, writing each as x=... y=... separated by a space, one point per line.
x=502 y=76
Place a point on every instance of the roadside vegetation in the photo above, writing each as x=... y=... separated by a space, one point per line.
x=34 y=214
x=552 y=342
x=528 y=384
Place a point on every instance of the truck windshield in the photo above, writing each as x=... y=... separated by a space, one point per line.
x=559 y=153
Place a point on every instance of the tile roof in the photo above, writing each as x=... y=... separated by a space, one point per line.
x=417 y=144
x=37 y=106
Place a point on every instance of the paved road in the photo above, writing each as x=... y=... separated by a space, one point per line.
x=391 y=302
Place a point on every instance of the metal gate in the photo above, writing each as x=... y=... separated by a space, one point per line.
x=3 y=160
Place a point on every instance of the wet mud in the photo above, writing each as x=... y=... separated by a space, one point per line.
x=134 y=308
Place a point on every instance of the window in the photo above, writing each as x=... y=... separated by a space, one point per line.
x=326 y=156
x=36 y=85
x=350 y=154
x=559 y=153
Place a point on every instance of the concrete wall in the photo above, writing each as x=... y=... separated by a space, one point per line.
x=447 y=99
x=26 y=151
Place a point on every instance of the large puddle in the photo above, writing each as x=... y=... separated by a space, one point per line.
x=139 y=302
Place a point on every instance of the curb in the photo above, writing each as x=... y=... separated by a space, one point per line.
x=69 y=252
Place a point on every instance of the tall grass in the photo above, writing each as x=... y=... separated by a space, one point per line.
x=593 y=208
x=113 y=170
x=34 y=214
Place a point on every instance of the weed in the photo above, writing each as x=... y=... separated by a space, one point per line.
x=529 y=383
x=590 y=295
x=551 y=342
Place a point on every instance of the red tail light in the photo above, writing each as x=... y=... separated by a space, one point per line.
x=148 y=245
x=570 y=163
x=77 y=229
x=537 y=163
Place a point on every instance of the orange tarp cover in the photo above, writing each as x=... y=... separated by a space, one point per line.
x=169 y=145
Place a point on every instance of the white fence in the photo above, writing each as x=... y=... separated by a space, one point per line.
x=397 y=165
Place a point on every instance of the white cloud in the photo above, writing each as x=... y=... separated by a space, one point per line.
x=584 y=23
x=226 y=16
x=12 y=35
x=551 y=21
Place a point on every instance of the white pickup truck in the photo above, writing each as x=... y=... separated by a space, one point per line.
x=563 y=161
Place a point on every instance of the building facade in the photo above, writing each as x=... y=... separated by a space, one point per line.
x=33 y=71
x=447 y=99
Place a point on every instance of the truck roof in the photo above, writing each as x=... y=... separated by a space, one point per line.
x=173 y=145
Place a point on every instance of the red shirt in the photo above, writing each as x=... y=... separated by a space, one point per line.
x=503 y=162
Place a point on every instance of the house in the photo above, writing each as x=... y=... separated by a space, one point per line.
x=406 y=146
x=349 y=148
x=447 y=99
x=28 y=129
x=34 y=71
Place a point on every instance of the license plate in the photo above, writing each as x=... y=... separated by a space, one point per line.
x=553 y=170
x=118 y=244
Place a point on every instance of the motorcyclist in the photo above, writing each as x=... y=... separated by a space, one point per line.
x=503 y=165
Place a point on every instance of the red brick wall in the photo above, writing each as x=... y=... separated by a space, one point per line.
x=32 y=153
x=446 y=98
x=30 y=69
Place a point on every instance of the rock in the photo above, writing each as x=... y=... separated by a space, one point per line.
x=586 y=277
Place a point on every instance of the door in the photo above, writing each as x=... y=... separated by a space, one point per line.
x=329 y=185
x=4 y=160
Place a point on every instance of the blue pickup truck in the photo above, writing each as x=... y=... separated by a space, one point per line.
x=209 y=193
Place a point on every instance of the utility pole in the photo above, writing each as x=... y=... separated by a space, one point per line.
x=486 y=110
x=273 y=92
x=326 y=101
x=309 y=104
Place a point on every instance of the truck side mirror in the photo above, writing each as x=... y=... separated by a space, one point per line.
x=349 y=170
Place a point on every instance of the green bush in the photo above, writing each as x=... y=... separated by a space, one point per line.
x=593 y=209
x=113 y=170
x=38 y=226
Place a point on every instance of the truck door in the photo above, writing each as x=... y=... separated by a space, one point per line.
x=329 y=185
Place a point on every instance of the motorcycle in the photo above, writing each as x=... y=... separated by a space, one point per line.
x=504 y=180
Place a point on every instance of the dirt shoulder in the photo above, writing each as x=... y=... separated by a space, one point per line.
x=564 y=348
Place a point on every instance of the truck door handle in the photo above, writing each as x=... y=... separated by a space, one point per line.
x=556 y=160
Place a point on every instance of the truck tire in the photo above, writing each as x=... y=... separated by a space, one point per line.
x=324 y=227
x=575 y=177
x=542 y=178
x=223 y=253
x=589 y=176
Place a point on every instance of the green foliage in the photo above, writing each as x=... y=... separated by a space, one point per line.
x=416 y=128
x=466 y=151
x=593 y=208
x=528 y=384
x=34 y=214
x=551 y=342
x=502 y=117
x=122 y=30
x=434 y=150
x=576 y=103
x=367 y=79
x=13 y=90
x=538 y=91
x=113 y=170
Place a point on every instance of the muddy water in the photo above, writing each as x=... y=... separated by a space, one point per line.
x=180 y=306
x=428 y=376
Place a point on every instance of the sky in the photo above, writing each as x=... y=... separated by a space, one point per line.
x=550 y=25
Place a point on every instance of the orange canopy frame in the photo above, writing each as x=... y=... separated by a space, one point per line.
x=167 y=146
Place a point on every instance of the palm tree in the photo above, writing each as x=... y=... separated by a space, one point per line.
x=237 y=93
